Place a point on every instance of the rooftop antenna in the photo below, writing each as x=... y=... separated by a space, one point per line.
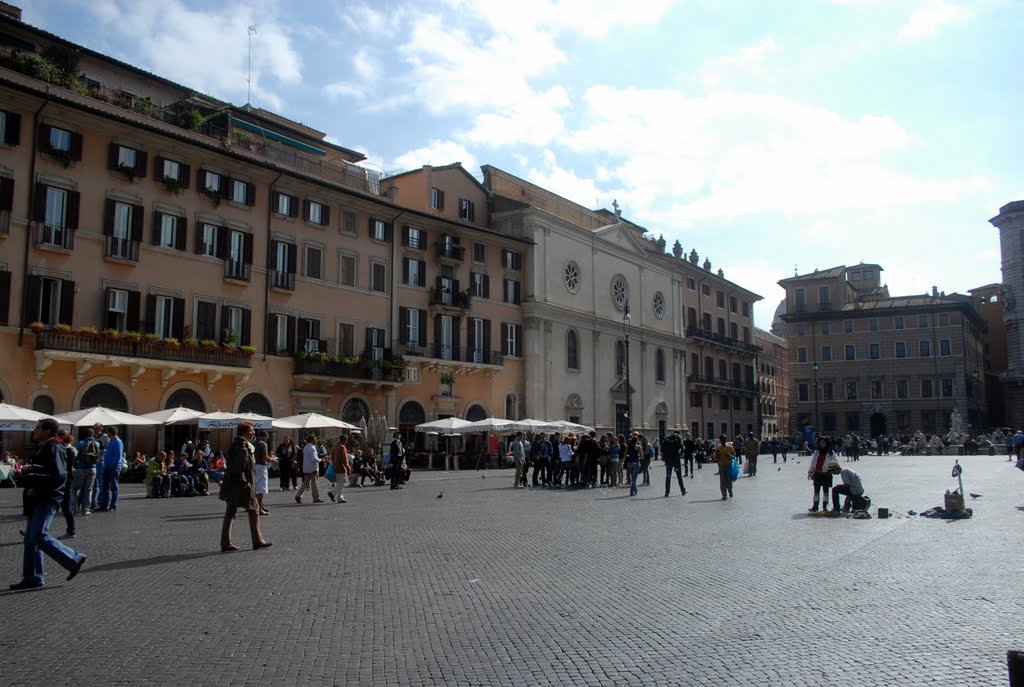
x=248 y=78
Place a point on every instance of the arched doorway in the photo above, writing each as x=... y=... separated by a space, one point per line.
x=476 y=413
x=106 y=395
x=255 y=403
x=878 y=425
x=410 y=415
x=355 y=411
x=44 y=404
x=176 y=435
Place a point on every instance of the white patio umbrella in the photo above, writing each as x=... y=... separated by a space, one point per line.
x=442 y=426
x=18 y=419
x=224 y=420
x=491 y=424
x=104 y=416
x=173 y=416
x=311 y=421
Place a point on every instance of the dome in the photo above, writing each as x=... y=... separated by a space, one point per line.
x=778 y=324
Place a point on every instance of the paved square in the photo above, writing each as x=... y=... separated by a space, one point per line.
x=494 y=586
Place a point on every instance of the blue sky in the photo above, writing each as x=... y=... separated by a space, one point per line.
x=764 y=135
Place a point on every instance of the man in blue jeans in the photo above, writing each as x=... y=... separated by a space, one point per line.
x=44 y=489
x=111 y=471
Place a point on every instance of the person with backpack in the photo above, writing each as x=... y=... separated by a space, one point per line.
x=646 y=456
x=85 y=473
x=672 y=453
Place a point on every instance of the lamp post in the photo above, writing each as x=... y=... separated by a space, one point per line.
x=817 y=421
x=629 y=389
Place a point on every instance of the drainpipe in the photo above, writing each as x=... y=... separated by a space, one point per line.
x=266 y=282
x=31 y=214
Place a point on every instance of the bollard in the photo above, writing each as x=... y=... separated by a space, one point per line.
x=1015 y=666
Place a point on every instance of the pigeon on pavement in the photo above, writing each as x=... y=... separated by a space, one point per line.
x=440 y=496
x=975 y=496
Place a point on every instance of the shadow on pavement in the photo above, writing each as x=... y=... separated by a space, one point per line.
x=145 y=562
x=186 y=518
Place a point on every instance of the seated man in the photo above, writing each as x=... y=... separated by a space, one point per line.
x=852 y=489
x=181 y=476
x=200 y=474
x=156 y=477
x=368 y=468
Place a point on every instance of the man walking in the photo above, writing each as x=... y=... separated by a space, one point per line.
x=750 y=449
x=672 y=453
x=310 y=471
x=397 y=456
x=111 y=471
x=44 y=489
x=689 y=456
x=519 y=460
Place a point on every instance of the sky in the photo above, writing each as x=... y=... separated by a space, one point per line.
x=768 y=136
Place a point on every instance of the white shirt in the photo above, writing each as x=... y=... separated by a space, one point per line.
x=310 y=459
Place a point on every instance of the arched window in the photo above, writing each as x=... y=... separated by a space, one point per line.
x=43 y=404
x=572 y=350
x=476 y=413
x=185 y=398
x=355 y=411
x=659 y=365
x=510 y=407
x=106 y=395
x=255 y=403
x=620 y=358
x=411 y=414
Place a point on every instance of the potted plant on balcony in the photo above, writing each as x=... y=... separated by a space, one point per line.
x=133 y=337
x=89 y=332
x=247 y=350
x=190 y=342
x=62 y=328
x=208 y=344
x=127 y=171
x=172 y=185
x=37 y=327
x=111 y=334
x=171 y=342
x=150 y=338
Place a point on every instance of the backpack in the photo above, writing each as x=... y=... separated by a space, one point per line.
x=92 y=452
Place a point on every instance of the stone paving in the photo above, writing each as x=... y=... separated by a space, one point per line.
x=495 y=586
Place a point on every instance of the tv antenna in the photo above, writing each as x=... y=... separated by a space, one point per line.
x=248 y=79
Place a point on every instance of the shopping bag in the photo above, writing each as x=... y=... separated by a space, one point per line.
x=734 y=470
x=329 y=474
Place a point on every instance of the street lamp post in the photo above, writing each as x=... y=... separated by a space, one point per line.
x=817 y=420
x=629 y=389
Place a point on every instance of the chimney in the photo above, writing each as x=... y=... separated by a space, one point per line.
x=10 y=11
x=935 y=292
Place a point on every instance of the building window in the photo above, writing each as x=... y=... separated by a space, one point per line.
x=922 y=321
x=117 y=310
x=902 y=389
x=316 y=213
x=479 y=253
x=285 y=205
x=414 y=272
x=826 y=354
x=480 y=284
x=925 y=348
x=659 y=365
x=875 y=351
x=347 y=270
x=720 y=299
x=243 y=192
x=853 y=422
x=695 y=399
x=828 y=391
x=824 y=298
x=512 y=339
x=280 y=339
x=851 y=391
x=208 y=240
x=314 y=262
x=826 y=327
x=348 y=221
x=897 y=322
x=126 y=158
x=802 y=391
x=850 y=351
x=168 y=237
x=415 y=238
x=212 y=182
x=511 y=260
x=945 y=347
x=848 y=326
x=466 y=210
x=378 y=230
x=60 y=139
x=572 y=353
x=732 y=304
x=512 y=291
x=163 y=325
x=873 y=324
x=901 y=349
x=876 y=390
x=691 y=284
x=172 y=171
x=801 y=355
x=828 y=421
x=947 y=388
x=926 y=388
x=943 y=319
x=378 y=278
x=436 y=199
x=10 y=128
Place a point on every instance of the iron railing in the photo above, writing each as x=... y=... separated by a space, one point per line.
x=140 y=348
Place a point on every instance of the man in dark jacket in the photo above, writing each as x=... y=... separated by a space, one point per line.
x=397 y=456
x=44 y=489
x=589 y=452
x=672 y=453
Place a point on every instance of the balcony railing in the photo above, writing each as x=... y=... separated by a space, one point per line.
x=708 y=335
x=711 y=380
x=122 y=249
x=825 y=307
x=800 y=308
x=282 y=280
x=156 y=350
x=239 y=271
x=452 y=299
x=51 y=236
x=450 y=251
x=380 y=371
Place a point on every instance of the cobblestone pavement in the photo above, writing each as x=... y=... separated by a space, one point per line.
x=495 y=586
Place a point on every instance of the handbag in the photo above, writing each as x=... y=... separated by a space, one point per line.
x=329 y=473
x=734 y=470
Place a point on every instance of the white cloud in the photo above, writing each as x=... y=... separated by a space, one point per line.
x=748 y=62
x=341 y=90
x=929 y=18
x=207 y=50
x=437 y=153
x=550 y=175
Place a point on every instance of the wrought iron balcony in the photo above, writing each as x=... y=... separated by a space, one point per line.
x=52 y=236
x=721 y=383
x=121 y=346
x=237 y=271
x=450 y=251
x=461 y=300
x=282 y=280
x=122 y=249
x=708 y=335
